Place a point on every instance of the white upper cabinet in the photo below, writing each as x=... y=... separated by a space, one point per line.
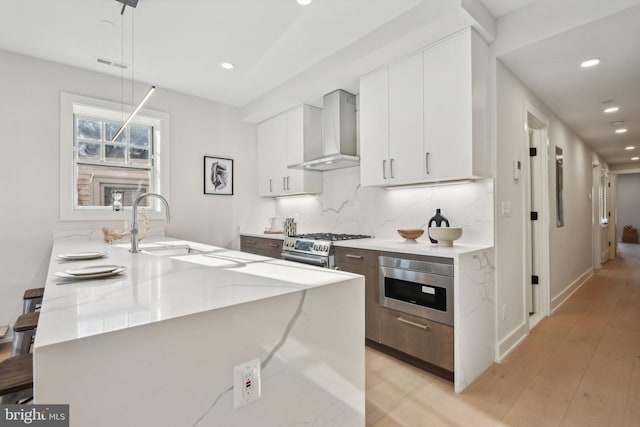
x=374 y=128
x=391 y=115
x=281 y=142
x=456 y=108
x=424 y=119
x=406 y=130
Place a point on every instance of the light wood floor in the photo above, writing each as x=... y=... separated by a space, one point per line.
x=578 y=367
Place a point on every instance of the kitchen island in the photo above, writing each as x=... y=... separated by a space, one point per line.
x=157 y=345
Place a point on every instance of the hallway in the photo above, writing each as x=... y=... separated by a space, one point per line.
x=579 y=367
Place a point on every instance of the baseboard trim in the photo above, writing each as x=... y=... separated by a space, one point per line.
x=558 y=300
x=506 y=346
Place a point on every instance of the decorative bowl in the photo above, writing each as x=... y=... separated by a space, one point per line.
x=410 y=233
x=445 y=235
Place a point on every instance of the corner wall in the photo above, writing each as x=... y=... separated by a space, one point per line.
x=570 y=246
x=30 y=120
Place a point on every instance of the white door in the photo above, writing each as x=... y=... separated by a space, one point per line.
x=535 y=193
x=537 y=221
x=448 y=123
x=374 y=128
x=407 y=161
x=265 y=158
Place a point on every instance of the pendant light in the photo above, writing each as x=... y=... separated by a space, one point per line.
x=133 y=4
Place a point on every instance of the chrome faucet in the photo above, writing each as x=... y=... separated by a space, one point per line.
x=134 y=221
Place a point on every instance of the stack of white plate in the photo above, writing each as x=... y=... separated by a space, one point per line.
x=91 y=272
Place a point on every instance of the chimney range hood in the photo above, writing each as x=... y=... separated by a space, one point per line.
x=339 y=146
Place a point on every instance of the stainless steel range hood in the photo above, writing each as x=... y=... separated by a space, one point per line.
x=339 y=146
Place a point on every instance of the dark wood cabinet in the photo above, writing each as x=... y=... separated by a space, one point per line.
x=261 y=246
x=364 y=262
x=424 y=339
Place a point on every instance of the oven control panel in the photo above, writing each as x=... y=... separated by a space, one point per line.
x=307 y=246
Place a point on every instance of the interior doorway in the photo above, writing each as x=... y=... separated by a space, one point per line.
x=536 y=198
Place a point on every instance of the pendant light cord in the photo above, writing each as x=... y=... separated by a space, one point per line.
x=122 y=62
x=132 y=51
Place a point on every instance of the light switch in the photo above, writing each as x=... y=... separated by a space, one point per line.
x=506 y=209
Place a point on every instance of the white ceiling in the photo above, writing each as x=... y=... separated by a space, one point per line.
x=180 y=44
x=298 y=52
x=551 y=69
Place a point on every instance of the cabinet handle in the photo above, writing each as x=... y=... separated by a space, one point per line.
x=270 y=186
x=354 y=256
x=427 y=157
x=288 y=183
x=284 y=183
x=251 y=242
x=391 y=168
x=384 y=169
x=409 y=322
x=274 y=245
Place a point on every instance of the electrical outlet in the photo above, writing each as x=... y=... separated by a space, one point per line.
x=246 y=383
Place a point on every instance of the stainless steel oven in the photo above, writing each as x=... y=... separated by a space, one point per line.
x=421 y=288
x=314 y=249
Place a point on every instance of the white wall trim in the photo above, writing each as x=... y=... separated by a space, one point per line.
x=511 y=341
x=563 y=296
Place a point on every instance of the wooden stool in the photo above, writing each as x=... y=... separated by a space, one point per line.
x=23 y=332
x=32 y=299
x=16 y=378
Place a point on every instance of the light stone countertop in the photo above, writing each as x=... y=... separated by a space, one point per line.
x=420 y=247
x=279 y=236
x=156 y=288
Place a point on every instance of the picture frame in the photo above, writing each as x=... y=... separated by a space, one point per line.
x=218 y=176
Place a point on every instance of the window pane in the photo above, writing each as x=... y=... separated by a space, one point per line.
x=139 y=156
x=89 y=129
x=110 y=129
x=114 y=153
x=88 y=150
x=139 y=136
x=96 y=184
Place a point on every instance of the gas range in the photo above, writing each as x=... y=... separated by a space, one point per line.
x=315 y=248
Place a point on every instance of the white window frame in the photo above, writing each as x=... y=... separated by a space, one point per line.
x=71 y=104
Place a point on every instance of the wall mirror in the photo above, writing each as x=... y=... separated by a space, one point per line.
x=559 y=188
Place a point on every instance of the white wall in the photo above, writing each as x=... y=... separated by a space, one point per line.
x=628 y=202
x=570 y=246
x=29 y=119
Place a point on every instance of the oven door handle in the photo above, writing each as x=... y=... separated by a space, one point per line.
x=305 y=260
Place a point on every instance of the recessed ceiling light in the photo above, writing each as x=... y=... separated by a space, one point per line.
x=631 y=147
x=303 y=2
x=635 y=158
x=590 y=63
x=227 y=65
x=621 y=130
x=611 y=109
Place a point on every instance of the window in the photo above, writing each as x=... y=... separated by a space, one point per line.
x=104 y=168
x=93 y=169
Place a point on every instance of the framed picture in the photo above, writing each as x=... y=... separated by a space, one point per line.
x=218 y=176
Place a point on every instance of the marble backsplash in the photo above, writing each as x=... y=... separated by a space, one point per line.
x=346 y=207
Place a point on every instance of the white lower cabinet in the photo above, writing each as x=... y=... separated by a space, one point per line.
x=281 y=142
x=425 y=118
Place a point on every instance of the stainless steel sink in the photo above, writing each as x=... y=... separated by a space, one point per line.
x=172 y=250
